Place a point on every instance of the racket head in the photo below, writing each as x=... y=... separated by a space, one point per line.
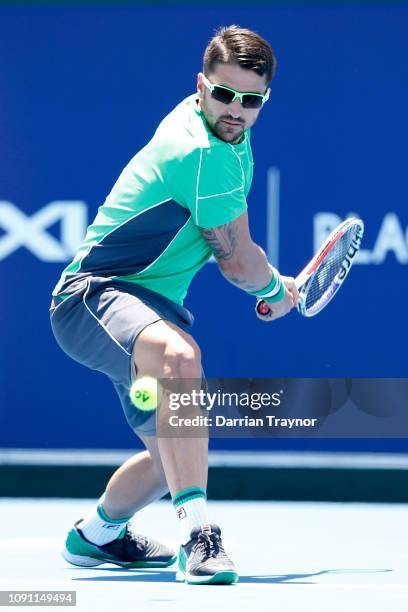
x=323 y=276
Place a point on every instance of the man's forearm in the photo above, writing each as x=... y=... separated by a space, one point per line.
x=251 y=273
x=241 y=261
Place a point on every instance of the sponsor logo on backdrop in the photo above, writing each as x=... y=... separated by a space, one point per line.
x=391 y=238
x=32 y=231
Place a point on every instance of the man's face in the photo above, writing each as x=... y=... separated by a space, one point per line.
x=228 y=121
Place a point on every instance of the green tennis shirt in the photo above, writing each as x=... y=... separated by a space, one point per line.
x=147 y=230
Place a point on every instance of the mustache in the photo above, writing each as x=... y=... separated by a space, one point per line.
x=240 y=121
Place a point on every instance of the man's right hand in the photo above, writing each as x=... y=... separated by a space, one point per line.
x=280 y=309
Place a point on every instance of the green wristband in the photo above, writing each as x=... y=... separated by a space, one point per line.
x=278 y=297
x=269 y=287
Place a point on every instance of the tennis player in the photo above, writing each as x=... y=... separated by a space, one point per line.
x=118 y=307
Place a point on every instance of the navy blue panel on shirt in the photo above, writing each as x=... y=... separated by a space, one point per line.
x=137 y=243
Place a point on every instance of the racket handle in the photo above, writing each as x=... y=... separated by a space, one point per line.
x=262 y=308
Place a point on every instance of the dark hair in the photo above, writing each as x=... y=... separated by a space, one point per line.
x=245 y=48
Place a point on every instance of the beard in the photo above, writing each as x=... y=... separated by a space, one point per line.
x=229 y=133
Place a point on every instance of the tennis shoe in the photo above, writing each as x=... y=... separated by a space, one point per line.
x=203 y=559
x=131 y=550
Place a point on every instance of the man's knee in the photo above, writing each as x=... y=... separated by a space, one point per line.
x=182 y=360
x=165 y=351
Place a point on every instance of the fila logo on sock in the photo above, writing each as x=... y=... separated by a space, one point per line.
x=206 y=529
x=111 y=526
x=181 y=513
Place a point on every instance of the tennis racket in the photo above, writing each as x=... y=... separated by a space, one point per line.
x=325 y=273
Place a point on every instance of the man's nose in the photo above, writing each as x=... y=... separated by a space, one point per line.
x=235 y=109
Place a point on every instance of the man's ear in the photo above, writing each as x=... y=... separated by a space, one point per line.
x=200 y=84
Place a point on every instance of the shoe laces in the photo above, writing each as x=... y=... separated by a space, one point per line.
x=136 y=539
x=210 y=545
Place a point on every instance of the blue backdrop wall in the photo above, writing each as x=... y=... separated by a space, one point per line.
x=82 y=89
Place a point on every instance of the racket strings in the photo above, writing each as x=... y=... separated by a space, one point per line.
x=322 y=281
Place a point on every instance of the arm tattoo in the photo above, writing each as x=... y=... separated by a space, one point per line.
x=222 y=240
x=243 y=284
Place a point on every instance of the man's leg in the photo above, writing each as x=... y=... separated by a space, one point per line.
x=137 y=483
x=164 y=351
x=96 y=333
x=161 y=350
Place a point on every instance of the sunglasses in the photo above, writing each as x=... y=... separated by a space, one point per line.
x=227 y=95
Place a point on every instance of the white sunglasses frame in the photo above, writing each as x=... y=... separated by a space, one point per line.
x=237 y=94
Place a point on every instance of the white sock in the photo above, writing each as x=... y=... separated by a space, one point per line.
x=99 y=528
x=191 y=510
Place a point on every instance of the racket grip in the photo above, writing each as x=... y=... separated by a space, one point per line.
x=262 y=308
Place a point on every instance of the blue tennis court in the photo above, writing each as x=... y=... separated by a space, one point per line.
x=291 y=556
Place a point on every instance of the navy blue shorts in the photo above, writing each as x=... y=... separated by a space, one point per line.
x=97 y=323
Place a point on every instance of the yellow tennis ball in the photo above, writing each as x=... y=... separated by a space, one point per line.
x=144 y=393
